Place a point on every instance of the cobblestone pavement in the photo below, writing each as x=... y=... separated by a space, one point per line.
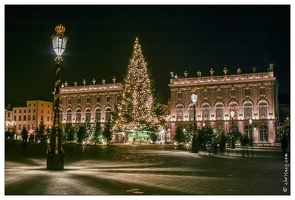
x=123 y=169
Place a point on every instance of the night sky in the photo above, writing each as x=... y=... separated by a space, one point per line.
x=173 y=38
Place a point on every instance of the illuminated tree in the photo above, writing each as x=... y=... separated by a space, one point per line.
x=40 y=132
x=136 y=108
x=107 y=132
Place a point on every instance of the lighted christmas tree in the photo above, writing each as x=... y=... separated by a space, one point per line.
x=135 y=109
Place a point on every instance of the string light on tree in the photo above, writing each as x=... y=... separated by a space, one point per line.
x=136 y=108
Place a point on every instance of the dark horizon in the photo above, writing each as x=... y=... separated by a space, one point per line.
x=173 y=38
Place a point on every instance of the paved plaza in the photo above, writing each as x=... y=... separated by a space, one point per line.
x=126 y=169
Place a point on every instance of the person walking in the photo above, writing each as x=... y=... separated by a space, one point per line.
x=24 y=137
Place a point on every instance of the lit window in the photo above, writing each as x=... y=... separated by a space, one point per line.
x=60 y=115
x=263 y=133
x=191 y=112
x=234 y=107
x=206 y=111
x=78 y=115
x=248 y=110
x=69 y=115
x=219 y=111
x=88 y=114
x=108 y=114
x=179 y=113
x=98 y=114
x=248 y=131
x=263 y=109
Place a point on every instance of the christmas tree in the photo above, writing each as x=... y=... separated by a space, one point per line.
x=135 y=109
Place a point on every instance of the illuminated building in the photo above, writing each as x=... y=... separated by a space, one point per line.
x=251 y=96
x=79 y=104
x=30 y=116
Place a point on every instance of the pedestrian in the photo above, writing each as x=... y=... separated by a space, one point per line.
x=24 y=137
x=31 y=138
x=284 y=143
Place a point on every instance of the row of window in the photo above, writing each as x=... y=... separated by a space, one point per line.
x=263 y=132
x=88 y=100
x=35 y=105
x=26 y=126
x=25 y=111
x=219 y=110
x=232 y=93
x=77 y=116
x=24 y=118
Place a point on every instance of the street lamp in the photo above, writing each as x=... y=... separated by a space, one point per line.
x=232 y=114
x=55 y=153
x=194 y=98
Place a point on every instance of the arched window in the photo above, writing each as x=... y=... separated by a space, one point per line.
x=219 y=111
x=108 y=114
x=263 y=133
x=248 y=131
x=60 y=115
x=206 y=111
x=98 y=114
x=234 y=106
x=179 y=113
x=78 y=115
x=69 y=115
x=191 y=112
x=88 y=114
x=248 y=110
x=263 y=109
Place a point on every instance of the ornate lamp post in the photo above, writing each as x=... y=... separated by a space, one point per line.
x=55 y=153
x=232 y=114
x=194 y=98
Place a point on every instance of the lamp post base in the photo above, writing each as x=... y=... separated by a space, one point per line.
x=55 y=161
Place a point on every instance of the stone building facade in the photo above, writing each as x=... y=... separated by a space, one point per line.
x=251 y=96
x=91 y=102
x=30 y=116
